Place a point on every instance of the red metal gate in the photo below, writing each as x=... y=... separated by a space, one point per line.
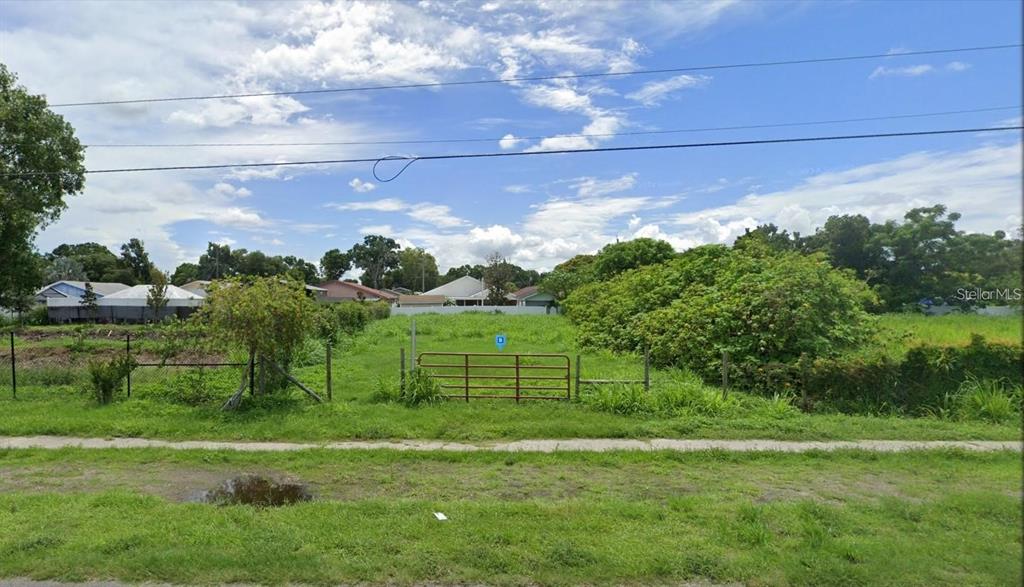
x=532 y=376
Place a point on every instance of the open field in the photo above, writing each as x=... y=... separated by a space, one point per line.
x=368 y=360
x=848 y=518
x=900 y=332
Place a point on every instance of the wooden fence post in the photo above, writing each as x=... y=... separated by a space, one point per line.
x=14 y=371
x=725 y=373
x=647 y=369
x=128 y=357
x=330 y=391
x=412 y=331
x=577 y=377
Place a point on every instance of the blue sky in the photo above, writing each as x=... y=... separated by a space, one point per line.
x=537 y=210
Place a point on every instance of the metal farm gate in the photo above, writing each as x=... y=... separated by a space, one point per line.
x=499 y=375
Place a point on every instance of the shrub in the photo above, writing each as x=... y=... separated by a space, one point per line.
x=420 y=389
x=385 y=391
x=195 y=386
x=991 y=400
x=105 y=378
x=379 y=310
x=758 y=305
x=350 y=317
x=309 y=353
x=927 y=380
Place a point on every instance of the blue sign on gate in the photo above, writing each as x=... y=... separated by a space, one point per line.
x=499 y=340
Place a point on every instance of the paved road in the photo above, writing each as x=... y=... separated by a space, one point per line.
x=547 y=446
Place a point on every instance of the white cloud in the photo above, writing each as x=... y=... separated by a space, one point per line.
x=983 y=184
x=518 y=189
x=591 y=186
x=361 y=186
x=907 y=71
x=509 y=141
x=225 y=189
x=958 y=66
x=437 y=215
x=653 y=93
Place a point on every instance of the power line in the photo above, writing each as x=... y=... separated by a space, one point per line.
x=539 y=138
x=511 y=80
x=414 y=158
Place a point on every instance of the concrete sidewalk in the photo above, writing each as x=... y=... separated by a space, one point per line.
x=541 y=445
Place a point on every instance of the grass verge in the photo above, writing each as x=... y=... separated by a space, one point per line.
x=847 y=518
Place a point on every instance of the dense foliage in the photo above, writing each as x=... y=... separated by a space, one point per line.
x=924 y=257
x=41 y=162
x=757 y=304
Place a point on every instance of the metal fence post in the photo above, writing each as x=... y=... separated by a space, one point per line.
x=128 y=357
x=466 y=379
x=517 y=379
x=401 y=377
x=577 y=377
x=725 y=373
x=413 y=336
x=647 y=369
x=252 y=375
x=14 y=371
x=330 y=392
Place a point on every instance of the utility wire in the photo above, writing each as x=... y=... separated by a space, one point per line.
x=414 y=158
x=511 y=80
x=539 y=138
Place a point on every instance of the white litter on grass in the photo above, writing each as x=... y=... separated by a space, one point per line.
x=440 y=516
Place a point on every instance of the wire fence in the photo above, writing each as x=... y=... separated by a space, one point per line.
x=34 y=364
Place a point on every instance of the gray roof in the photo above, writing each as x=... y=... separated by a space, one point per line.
x=142 y=292
x=103 y=288
x=462 y=288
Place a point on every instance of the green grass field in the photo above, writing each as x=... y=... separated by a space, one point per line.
x=366 y=360
x=849 y=518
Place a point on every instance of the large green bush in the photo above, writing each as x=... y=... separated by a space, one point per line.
x=758 y=305
x=920 y=383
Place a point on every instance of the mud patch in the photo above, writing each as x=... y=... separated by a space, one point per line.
x=257 y=490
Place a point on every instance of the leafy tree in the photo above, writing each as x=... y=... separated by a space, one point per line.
x=135 y=258
x=417 y=270
x=498 y=276
x=334 y=264
x=185 y=273
x=770 y=236
x=41 y=162
x=64 y=268
x=618 y=257
x=258 y=263
x=376 y=255
x=89 y=300
x=301 y=270
x=156 y=297
x=569 y=275
x=266 y=317
x=849 y=242
x=98 y=262
x=216 y=262
x=453 y=273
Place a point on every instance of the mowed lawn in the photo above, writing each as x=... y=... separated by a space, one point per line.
x=847 y=518
x=366 y=361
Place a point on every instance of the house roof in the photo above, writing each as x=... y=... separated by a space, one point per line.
x=465 y=287
x=103 y=288
x=366 y=291
x=421 y=299
x=142 y=291
x=526 y=292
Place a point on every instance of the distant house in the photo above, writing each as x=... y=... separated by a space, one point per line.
x=532 y=296
x=74 y=290
x=421 y=301
x=464 y=291
x=130 y=304
x=338 y=291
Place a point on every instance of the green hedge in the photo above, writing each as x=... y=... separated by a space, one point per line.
x=914 y=384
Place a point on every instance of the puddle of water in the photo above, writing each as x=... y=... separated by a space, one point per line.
x=258 y=491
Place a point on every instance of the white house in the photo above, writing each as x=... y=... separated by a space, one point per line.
x=76 y=289
x=464 y=291
x=127 y=305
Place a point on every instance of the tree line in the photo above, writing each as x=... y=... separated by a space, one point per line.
x=922 y=259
